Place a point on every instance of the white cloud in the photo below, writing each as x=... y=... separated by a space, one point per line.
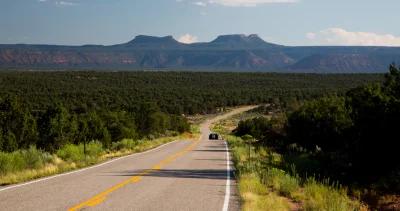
x=65 y=3
x=60 y=3
x=200 y=3
x=339 y=36
x=242 y=3
x=187 y=38
x=311 y=35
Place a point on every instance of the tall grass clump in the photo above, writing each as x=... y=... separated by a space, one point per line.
x=76 y=153
x=125 y=144
x=323 y=196
x=257 y=197
x=9 y=162
x=280 y=181
x=30 y=158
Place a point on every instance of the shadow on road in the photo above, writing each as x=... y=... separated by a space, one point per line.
x=178 y=173
x=212 y=159
x=209 y=150
x=217 y=147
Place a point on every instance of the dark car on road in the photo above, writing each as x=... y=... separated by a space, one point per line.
x=213 y=136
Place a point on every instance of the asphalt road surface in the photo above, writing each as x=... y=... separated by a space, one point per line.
x=181 y=175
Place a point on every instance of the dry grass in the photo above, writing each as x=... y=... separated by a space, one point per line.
x=55 y=167
x=256 y=196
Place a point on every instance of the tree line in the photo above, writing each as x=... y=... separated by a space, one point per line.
x=52 y=109
x=351 y=137
x=57 y=126
x=173 y=92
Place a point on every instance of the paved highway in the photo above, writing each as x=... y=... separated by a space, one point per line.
x=181 y=175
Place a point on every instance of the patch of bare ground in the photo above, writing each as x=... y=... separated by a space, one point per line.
x=293 y=205
x=389 y=203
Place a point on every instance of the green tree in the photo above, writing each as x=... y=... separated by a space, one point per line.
x=146 y=115
x=258 y=127
x=97 y=129
x=17 y=124
x=392 y=82
x=179 y=123
x=375 y=113
x=10 y=142
x=320 y=123
x=56 y=128
x=159 y=122
x=1 y=139
x=120 y=125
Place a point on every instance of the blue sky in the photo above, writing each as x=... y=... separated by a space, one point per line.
x=289 y=22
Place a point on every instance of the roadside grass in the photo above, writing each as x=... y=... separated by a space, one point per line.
x=265 y=185
x=320 y=196
x=256 y=197
x=263 y=165
x=254 y=194
x=75 y=153
x=22 y=159
x=24 y=165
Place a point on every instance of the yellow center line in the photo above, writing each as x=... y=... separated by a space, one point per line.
x=101 y=197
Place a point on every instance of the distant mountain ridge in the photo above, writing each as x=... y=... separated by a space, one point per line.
x=235 y=52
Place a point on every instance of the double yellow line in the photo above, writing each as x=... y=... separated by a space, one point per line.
x=99 y=198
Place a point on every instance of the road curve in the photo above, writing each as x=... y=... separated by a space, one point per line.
x=182 y=175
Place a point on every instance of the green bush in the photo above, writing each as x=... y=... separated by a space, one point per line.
x=71 y=152
x=128 y=144
x=94 y=149
x=31 y=158
x=258 y=127
x=6 y=164
x=75 y=153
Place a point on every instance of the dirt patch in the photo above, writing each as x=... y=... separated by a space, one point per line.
x=294 y=206
x=389 y=203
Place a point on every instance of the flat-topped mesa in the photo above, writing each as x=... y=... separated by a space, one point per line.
x=241 y=41
x=144 y=41
x=236 y=37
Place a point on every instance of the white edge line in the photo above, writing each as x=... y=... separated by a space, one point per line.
x=84 y=169
x=228 y=180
